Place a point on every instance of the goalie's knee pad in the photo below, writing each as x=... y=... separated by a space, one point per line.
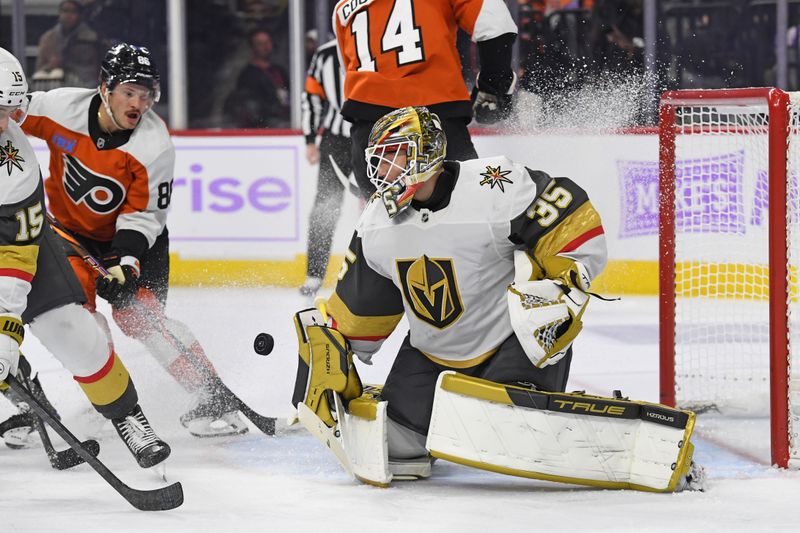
x=569 y=438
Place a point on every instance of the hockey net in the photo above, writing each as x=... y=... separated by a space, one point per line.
x=730 y=256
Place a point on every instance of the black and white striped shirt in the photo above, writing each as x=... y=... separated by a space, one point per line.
x=324 y=84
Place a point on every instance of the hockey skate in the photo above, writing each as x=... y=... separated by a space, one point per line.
x=141 y=440
x=19 y=431
x=214 y=417
x=410 y=469
x=695 y=479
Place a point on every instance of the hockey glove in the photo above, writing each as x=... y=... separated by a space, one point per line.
x=491 y=97
x=325 y=366
x=120 y=285
x=569 y=272
x=11 y=334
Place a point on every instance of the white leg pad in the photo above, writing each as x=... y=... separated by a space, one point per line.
x=364 y=434
x=569 y=438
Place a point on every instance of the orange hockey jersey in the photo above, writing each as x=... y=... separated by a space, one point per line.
x=403 y=52
x=100 y=183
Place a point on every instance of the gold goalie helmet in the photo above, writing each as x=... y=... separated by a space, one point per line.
x=407 y=146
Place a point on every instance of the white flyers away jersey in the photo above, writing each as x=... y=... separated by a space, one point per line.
x=99 y=184
x=21 y=218
x=448 y=270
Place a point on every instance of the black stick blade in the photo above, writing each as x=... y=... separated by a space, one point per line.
x=162 y=499
x=68 y=458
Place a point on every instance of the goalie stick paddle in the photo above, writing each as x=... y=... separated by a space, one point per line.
x=60 y=460
x=162 y=499
x=265 y=424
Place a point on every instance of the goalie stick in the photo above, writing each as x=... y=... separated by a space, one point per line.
x=162 y=499
x=60 y=460
x=265 y=424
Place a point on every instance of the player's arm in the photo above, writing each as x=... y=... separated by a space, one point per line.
x=21 y=224
x=492 y=28
x=366 y=306
x=563 y=249
x=141 y=220
x=36 y=122
x=562 y=232
x=313 y=96
x=364 y=310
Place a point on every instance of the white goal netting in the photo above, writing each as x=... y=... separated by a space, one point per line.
x=722 y=297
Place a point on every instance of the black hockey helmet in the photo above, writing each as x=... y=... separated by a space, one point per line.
x=126 y=63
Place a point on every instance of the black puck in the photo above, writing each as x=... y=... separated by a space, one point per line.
x=263 y=344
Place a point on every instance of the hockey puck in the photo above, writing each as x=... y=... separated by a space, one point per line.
x=263 y=344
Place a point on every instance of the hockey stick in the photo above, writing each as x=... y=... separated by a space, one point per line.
x=161 y=499
x=60 y=460
x=265 y=424
x=348 y=181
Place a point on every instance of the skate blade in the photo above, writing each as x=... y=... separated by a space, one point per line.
x=160 y=470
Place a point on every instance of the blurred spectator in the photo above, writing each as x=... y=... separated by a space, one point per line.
x=70 y=51
x=261 y=96
x=618 y=35
x=311 y=46
x=554 y=46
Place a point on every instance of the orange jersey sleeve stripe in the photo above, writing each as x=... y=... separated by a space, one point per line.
x=314 y=87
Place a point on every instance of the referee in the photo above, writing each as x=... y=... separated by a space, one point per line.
x=321 y=103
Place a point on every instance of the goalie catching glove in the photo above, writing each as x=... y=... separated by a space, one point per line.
x=324 y=367
x=546 y=313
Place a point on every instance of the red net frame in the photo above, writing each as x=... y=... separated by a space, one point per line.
x=777 y=102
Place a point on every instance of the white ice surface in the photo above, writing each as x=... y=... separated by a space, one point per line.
x=291 y=483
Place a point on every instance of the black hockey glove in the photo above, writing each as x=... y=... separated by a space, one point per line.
x=120 y=285
x=491 y=97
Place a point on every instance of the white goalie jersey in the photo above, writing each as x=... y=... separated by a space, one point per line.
x=447 y=265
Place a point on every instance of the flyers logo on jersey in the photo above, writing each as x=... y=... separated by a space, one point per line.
x=101 y=194
x=431 y=290
x=347 y=8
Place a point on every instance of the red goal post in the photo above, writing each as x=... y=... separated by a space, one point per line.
x=729 y=243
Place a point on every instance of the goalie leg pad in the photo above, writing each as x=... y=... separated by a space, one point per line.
x=568 y=438
x=368 y=434
x=364 y=434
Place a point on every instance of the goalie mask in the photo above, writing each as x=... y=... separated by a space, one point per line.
x=406 y=148
x=13 y=87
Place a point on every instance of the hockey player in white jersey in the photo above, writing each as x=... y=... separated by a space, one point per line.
x=37 y=287
x=491 y=264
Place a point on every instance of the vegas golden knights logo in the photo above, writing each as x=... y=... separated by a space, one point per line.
x=430 y=288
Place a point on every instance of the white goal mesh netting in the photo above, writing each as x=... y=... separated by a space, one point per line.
x=721 y=259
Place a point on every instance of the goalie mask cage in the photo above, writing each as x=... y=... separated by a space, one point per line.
x=729 y=242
